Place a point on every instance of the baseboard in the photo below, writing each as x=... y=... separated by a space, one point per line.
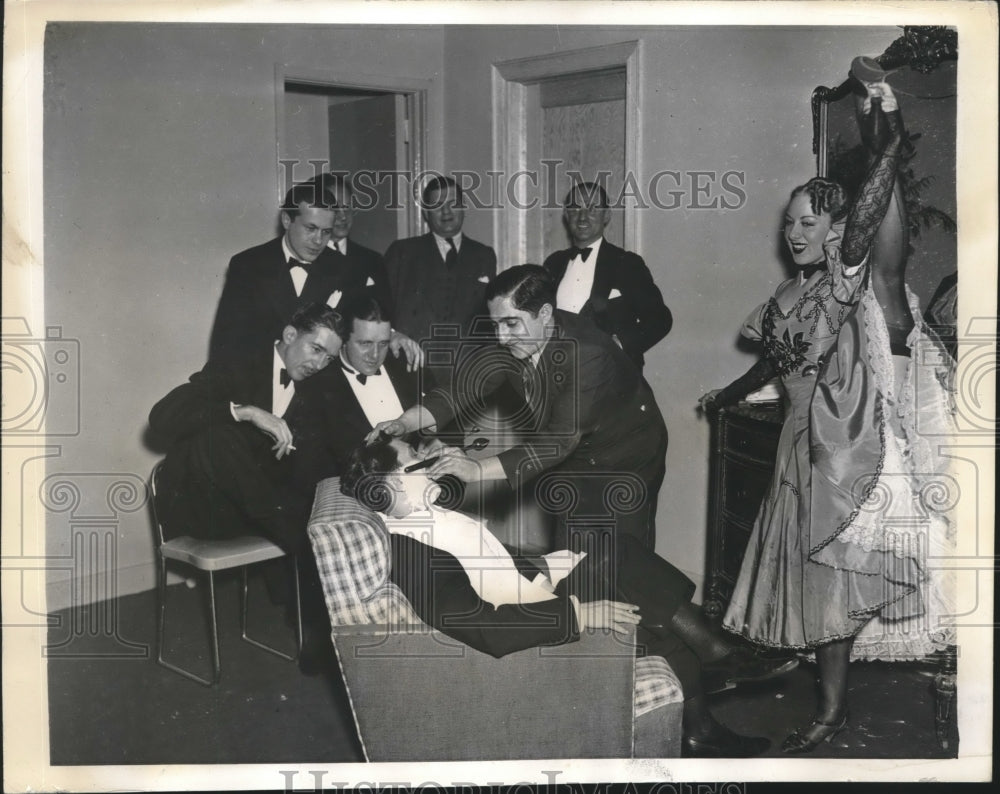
x=93 y=588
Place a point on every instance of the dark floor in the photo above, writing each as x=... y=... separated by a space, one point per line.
x=111 y=703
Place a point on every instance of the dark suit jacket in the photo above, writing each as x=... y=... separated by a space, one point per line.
x=259 y=298
x=638 y=317
x=357 y=268
x=425 y=291
x=203 y=404
x=342 y=437
x=594 y=412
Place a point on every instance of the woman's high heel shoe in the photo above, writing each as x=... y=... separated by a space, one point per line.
x=807 y=739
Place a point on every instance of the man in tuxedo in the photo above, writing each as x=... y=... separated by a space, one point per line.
x=439 y=278
x=462 y=581
x=363 y=269
x=586 y=411
x=244 y=447
x=603 y=282
x=265 y=284
x=368 y=386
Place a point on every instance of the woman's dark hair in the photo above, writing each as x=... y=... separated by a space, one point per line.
x=825 y=195
x=366 y=473
x=529 y=287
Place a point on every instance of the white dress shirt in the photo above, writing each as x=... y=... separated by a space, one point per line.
x=376 y=395
x=578 y=280
x=489 y=566
x=338 y=245
x=281 y=396
x=298 y=274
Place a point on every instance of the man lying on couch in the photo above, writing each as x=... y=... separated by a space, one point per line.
x=462 y=581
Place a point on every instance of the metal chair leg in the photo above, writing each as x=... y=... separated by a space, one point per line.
x=161 y=621
x=243 y=621
x=216 y=661
x=299 y=637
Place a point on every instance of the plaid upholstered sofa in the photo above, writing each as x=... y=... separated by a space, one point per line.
x=418 y=695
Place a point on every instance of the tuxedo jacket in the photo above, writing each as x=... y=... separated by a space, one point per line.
x=258 y=297
x=439 y=589
x=362 y=268
x=636 y=314
x=586 y=406
x=203 y=404
x=339 y=400
x=425 y=291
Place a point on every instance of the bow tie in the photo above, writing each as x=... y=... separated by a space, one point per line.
x=284 y=378
x=808 y=271
x=306 y=266
x=583 y=253
x=362 y=378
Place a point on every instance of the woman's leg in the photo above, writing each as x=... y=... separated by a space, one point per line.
x=833 y=660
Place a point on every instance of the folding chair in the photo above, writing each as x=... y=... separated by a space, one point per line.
x=211 y=556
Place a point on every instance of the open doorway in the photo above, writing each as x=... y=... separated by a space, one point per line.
x=371 y=131
x=556 y=116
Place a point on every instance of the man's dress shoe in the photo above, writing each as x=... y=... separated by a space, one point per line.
x=741 y=666
x=724 y=743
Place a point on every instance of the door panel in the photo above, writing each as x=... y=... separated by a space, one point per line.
x=588 y=138
x=363 y=137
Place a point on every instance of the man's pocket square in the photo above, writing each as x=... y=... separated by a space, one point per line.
x=370 y=282
x=614 y=294
x=334 y=299
x=484 y=279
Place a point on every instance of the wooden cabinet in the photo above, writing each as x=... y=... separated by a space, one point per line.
x=744 y=445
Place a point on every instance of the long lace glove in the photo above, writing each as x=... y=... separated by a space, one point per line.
x=759 y=374
x=873 y=198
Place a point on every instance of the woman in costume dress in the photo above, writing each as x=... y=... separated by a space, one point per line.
x=838 y=560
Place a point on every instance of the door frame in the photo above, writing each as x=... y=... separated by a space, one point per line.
x=512 y=117
x=414 y=92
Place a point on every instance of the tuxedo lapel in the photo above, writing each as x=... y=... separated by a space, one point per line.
x=277 y=284
x=558 y=267
x=404 y=383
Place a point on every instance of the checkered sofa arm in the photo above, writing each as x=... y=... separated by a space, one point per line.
x=351 y=545
x=655 y=685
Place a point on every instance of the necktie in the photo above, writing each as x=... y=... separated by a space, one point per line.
x=306 y=266
x=451 y=259
x=529 y=376
x=284 y=378
x=583 y=253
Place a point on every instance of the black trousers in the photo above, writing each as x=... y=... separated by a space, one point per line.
x=620 y=568
x=226 y=483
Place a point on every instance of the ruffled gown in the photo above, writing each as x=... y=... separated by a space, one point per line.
x=852 y=537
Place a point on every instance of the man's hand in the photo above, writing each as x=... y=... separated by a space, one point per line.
x=391 y=427
x=615 y=615
x=270 y=424
x=455 y=462
x=414 y=355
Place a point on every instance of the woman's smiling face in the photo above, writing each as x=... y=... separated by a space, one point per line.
x=806 y=231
